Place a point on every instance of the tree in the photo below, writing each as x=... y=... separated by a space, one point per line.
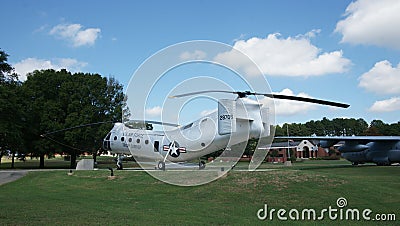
x=12 y=117
x=60 y=100
x=6 y=70
x=250 y=147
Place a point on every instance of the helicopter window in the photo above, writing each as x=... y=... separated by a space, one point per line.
x=138 y=141
x=130 y=139
x=115 y=138
x=156 y=145
x=188 y=126
x=146 y=141
x=122 y=138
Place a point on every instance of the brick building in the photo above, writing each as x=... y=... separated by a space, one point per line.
x=304 y=149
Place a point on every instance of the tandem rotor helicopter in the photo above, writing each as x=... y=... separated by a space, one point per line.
x=234 y=123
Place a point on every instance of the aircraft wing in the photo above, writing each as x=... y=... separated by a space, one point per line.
x=344 y=138
x=352 y=143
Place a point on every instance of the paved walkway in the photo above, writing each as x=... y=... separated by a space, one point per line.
x=11 y=175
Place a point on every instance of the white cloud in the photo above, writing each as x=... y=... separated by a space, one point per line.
x=382 y=78
x=293 y=56
x=196 y=55
x=389 y=105
x=31 y=64
x=154 y=111
x=290 y=107
x=371 y=22
x=75 y=34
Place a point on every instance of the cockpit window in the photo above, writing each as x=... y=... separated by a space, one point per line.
x=108 y=136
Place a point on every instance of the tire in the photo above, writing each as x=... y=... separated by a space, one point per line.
x=119 y=166
x=202 y=165
x=161 y=165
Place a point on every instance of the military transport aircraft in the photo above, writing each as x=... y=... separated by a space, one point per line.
x=382 y=150
x=235 y=122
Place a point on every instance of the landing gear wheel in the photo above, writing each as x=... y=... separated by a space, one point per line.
x=161 y=165
x=202 y=165
x=119 y=166
x=119 y=162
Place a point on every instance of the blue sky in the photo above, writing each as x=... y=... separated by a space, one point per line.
x=335 y=50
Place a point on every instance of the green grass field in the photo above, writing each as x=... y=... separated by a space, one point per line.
x=136 y=198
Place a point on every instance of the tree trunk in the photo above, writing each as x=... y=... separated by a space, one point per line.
x=73 y=160
x=12 y=160
x=95 y=156
x=41 y=163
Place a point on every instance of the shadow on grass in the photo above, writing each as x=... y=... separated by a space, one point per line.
x=332 y=167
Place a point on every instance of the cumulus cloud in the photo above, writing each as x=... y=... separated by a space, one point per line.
x=371 y=22
x=289 y=107
x=28 y=65
x=389 y=105
x=196 y=55
x=154 y=111
x=293 y=56
x=75 y=34
x=382 y=78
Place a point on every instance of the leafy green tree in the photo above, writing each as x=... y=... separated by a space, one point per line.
x=12 y=117
x=6 y=70
x=60 y=100
x=250 y=147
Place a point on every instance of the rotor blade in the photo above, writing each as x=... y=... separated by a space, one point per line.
x=153 y=122
x=60 y=143
x=201 y=92
x=306 y=99
x=76 y=127
x=277 y=96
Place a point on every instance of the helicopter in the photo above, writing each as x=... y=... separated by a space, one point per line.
x=233 y=123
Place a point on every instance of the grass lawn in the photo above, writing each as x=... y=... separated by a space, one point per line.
x=60 y=163
x=136 y=198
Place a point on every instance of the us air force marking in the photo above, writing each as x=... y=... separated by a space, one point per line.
x=174 y=150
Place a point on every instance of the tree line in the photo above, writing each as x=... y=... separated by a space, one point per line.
x=52 y=100
x=339 y=127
